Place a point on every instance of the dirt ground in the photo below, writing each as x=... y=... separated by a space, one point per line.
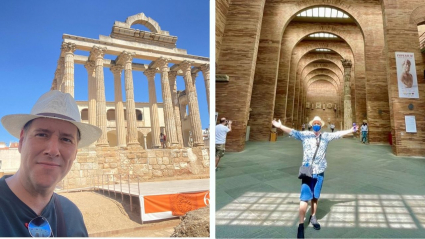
x=106 y=216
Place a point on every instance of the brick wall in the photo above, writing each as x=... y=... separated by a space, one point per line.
x=237 y=59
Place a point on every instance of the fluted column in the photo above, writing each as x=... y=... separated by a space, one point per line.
x=172 y=76
x=119 y=108
x=61 y=67
x=170 y=123
x=348 y=112
x=194 y=116
x=90 y=66
x=150 y=74
x=68 y=80
x=206 y=73
x=98 y=53
x=126 y=58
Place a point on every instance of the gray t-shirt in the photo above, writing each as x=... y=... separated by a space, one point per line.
x=14 y=215
x=220 y=134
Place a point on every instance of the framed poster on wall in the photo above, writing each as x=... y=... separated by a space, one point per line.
x=406 y=75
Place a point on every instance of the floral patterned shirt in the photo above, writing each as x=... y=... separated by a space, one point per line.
x=309 y=141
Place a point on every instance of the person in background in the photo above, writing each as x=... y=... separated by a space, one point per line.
x=221 y=131
x=364 y=130
x=162 y=139
x=332 y=127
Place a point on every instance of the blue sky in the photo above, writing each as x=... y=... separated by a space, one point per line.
x=31 y=36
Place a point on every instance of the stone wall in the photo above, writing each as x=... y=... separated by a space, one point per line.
x=136 y=162
x=10 y=161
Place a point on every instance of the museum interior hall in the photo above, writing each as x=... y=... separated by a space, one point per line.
x=347 y=61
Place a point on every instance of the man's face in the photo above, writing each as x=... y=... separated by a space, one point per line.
x=317 y=123
x=48 y=148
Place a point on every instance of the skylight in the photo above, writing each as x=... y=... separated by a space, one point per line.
x=322 y=49
x=323 y=12
x=323 y=34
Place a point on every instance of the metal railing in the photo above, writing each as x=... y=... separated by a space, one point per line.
x=104 y=182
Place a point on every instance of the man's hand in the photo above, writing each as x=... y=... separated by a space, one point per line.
x=355 y=128
x=277 y=124
x=230 y=122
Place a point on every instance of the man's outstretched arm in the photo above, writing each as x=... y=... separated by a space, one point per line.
x=279 y=125
x=348 y=131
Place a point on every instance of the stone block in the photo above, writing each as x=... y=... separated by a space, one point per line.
x=183 y=165
x=159 y=160
x=157 y=173
x=152 y=161
x=166 y=160
x=156 y=166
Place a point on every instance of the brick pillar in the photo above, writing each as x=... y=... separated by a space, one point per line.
x=172 y=75
x=90 y=66
x=206 y=73
x=98 y=53
x=127 y=59
x=155 y=130
x=68 y=79
x=241 y=37
x=119 y=108
x=195 y=119
x=348 y=112
x=170 y=123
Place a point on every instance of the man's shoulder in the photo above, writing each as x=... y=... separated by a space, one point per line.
x=67 y=204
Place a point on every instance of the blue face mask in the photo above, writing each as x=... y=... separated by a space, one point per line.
x=316 y=128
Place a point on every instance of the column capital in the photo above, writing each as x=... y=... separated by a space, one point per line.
x=89 y=65
x=125 y=57
x=116 y=69
x=172 y=74
x=97 y=52
x=205 y=68
x=150 y=73
x=185 y=65
x=161 y=63
x=346 y=63
x=68 y=47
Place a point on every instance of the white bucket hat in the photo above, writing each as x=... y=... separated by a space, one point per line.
x=54 y=105
x=317 y=118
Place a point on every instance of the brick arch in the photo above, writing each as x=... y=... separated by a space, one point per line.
x=324 y=72
x=312 y=68
x=334 y=61
x=299 y=51
x=417 y=17
x=322 y=77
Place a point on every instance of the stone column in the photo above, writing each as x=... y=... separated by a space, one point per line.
x=61 y=67
x=90 y=66
x=127 y=58
x=150 y=74
x=172 y=75
x=195 y=119
x=206 y=73
x=144 y=137
x=68 y=79
x=170 y=123
x=98 y=53
x=348 y=115
x=119 y=108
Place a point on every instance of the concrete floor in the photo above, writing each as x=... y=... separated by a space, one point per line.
x=368 y=192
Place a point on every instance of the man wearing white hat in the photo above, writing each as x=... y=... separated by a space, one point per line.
x=49 y=138
x=314 y=146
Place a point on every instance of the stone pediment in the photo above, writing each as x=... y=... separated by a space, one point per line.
x=156 y=36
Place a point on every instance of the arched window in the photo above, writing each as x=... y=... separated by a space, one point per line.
x=85 y=114
x=325 y=12
x=110 y=114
